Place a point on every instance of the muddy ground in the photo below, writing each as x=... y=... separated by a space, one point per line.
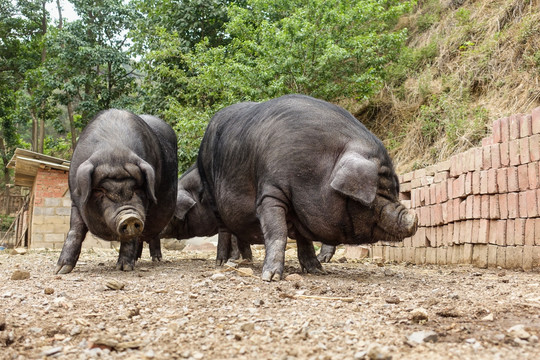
x=186 y=308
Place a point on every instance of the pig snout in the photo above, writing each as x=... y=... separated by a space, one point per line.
x=396 y=220
x=129 y=225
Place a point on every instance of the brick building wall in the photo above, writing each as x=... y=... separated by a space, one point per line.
x=51 y=210
x=481 y=207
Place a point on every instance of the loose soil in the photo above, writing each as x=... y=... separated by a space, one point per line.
x=187 y=308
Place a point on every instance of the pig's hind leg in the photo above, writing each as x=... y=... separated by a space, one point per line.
x=271 y=213
x=307 y=258
x=155 y=248
x=326 y=253
x=72 y=246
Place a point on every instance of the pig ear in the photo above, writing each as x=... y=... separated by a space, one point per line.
x=356 y=177
x=84 y=180
x=184 y=202
x=150 y=176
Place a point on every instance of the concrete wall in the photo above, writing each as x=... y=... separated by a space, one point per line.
x=480 y=207
x=51 y=209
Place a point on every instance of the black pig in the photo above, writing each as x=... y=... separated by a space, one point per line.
x=302 y=168
x=122 y=182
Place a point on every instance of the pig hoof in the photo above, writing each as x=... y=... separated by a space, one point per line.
x=156 y=258
x=324 y=258
x=63 y=269
x=269 y=276
x=124 y=266
x=220 y=262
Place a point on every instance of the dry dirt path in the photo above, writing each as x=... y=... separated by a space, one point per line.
x=186 y=308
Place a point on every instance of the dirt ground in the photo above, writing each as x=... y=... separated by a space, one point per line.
x=186 y=308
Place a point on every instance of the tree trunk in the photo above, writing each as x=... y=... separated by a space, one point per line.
x=72 y=126
x=43 y=29
x=34 y=130
x=60 y=20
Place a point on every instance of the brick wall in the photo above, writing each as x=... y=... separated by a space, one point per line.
x=51 y=212
x=480 y=207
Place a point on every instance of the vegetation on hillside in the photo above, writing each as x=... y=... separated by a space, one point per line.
x=426 y=76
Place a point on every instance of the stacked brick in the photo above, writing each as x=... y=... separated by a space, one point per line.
x=481 y=207
x=51 y=210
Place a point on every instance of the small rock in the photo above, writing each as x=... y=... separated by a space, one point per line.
x=48 y=291
x=76 y=330
x=104 y=344
x=470 y=341
x=500 y=337
x=218 y=277
x=193 y=296
x=149 y=354
x=392 y=300
x=20 y=275
x=378 y=352
x=258 y=302
x=420 y=337
x=488 y=317
x=293 y=277
x=519 y=332
x=247 y=327
x=533 y=339
x=52 y=351
x=360 y=355
x=245 y=271
x=114 y=284
x=388 y=272
x=2 y=323
x=18 y=251
x=231 y=263
x=419 y=314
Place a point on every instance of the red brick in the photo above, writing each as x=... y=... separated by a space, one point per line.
x=533 y=169
x=444 y=210
x=524 y=150
x=441 y=176
x=437 y=215
x=478 y=157
x=532 y=204
x=525 y=126
x=449 y=186
x=476 y=182
x=529 y=232
x=496 y=131
x=458 y=187
x=483 y=234
x=523 y=177
x=453 y=166
x=522 y=200
x=487 y=141
x=505 y=129
x=513 y=149
x=485 y=207
x=534 y=147
x=492 y=181
x=432 y=195
x=486 y=157
x=513 y=184
x=514 y=126
x=510 y=234
x=471 y=232
x=503 y=206
x=470 y=159
x=463 y=210
x=477 y=206
x=483 y=182
x=500 y=229
x=456 y=235
x=493 y=232
x=505 y=153
x=496 y=156
x=502 y=180
x=513 y=203
x=519 y=229
x=469 y=206
x=441 y=192
x=456 y=203
x=537 y=231
x=468 y=183
x=535 y=119
x=494 y=211
x=425 y=218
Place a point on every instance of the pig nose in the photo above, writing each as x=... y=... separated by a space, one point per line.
x=130 y=226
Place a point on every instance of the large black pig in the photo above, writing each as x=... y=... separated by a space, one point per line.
x=304 y=168
x=122 y=182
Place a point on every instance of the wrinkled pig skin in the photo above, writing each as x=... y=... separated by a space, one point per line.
x=302 y=168
x=122 y=182
x=194 y=217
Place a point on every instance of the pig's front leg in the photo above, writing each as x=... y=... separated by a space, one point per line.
x=224 y=247
x=271 y=215
x=155 y=248
x=72 y=246
x=128 y=255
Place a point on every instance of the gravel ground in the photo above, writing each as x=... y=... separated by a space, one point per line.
x=186 y=308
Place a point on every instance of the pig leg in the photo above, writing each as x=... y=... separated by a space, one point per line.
x=307 y=258
x=223 y=247
x=326 y=253
x=271 y=215
x=128 y=254
x=245 y=250
x=72 y=246
x=155 y=248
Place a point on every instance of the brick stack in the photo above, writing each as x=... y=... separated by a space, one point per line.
x=481 y=207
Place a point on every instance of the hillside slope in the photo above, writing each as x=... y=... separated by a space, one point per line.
x=467 y=64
